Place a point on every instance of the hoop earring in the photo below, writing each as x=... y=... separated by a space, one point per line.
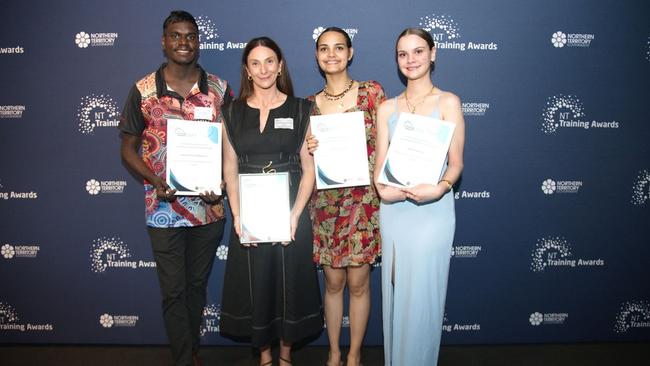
x=249 y=78
x=280 y=73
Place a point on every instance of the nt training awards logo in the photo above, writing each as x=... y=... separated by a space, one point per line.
x=96 y=111
x=566 y=111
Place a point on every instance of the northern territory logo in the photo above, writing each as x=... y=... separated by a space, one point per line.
x=11 y=111
x=352 y=32
x=560 y=39
x=84 y=39
x=95 y=187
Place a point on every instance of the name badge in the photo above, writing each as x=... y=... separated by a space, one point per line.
x=203 y=113
x=283 y=123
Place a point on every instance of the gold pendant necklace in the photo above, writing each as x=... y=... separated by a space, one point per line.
x=412 y=107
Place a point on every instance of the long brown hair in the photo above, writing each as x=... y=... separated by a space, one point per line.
x=283 y=81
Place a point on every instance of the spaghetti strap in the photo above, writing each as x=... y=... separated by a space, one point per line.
x=436 y=106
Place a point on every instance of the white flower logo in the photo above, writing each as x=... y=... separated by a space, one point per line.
x=106 y=320
x=558 y=39
x=8 y=251
x=222 y=252
x=536 y=318
x=549 y=186
x=317 y=32
x=82 y=39
x=93 y=187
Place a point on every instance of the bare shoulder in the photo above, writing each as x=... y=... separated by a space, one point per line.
x=386 y=106
x=449 y=100
x=450 y=107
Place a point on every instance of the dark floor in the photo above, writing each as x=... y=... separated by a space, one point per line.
x=587 y=354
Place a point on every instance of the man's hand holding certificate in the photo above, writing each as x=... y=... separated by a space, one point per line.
x=341 y=159
x=194 y=157
x=417 y=151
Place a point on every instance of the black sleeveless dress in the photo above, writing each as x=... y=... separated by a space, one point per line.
x=271 y=291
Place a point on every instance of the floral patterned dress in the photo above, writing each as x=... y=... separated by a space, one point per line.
x=346 y=220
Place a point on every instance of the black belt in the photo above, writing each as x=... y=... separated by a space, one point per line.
x=268 y=163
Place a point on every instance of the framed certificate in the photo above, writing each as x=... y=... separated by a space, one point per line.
x=341 y=159
x=264 y=208
x=193 y=156
x=417 y=151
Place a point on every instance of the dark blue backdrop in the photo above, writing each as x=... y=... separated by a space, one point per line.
x=552 y=210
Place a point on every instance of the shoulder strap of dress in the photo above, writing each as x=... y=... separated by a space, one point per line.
x=436 y=104
x=229 y=124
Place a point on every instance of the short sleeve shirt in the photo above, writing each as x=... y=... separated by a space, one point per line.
x=149 y=104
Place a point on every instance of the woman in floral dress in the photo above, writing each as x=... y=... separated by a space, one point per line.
x=345 y=220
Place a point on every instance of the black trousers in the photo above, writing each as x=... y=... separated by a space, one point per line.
x=184 y=258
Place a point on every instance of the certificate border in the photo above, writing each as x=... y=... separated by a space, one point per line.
x=246 y=236
x=323 y=180
x=171 y=178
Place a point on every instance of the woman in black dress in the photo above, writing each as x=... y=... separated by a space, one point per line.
x=270 y=290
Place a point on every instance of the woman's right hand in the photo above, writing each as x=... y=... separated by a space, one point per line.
x=237 y=225
x=390 y=194
x=312 y=144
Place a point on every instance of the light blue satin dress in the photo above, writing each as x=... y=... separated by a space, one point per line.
x=417 y=239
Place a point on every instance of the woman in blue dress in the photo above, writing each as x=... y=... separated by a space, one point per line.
x=417 y=224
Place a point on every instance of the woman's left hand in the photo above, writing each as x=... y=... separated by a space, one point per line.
x=294 y=225
x=425 y=192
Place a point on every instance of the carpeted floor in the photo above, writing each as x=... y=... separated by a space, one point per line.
x=587 y=354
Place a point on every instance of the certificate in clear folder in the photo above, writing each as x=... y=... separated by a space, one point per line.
x=264 y=208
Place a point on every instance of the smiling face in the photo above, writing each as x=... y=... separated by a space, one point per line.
x=181 y=43
x=333 y=53
x=414 y=57
x=262 y=65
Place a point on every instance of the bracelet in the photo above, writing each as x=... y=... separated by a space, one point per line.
x=449 y=185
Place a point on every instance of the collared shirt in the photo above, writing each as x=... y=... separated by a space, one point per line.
x=149 y=104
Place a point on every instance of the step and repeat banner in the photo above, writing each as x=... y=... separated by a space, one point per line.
x=552 y=211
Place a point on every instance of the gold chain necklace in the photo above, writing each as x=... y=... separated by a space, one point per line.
x=412 y=107
x=332 y=97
